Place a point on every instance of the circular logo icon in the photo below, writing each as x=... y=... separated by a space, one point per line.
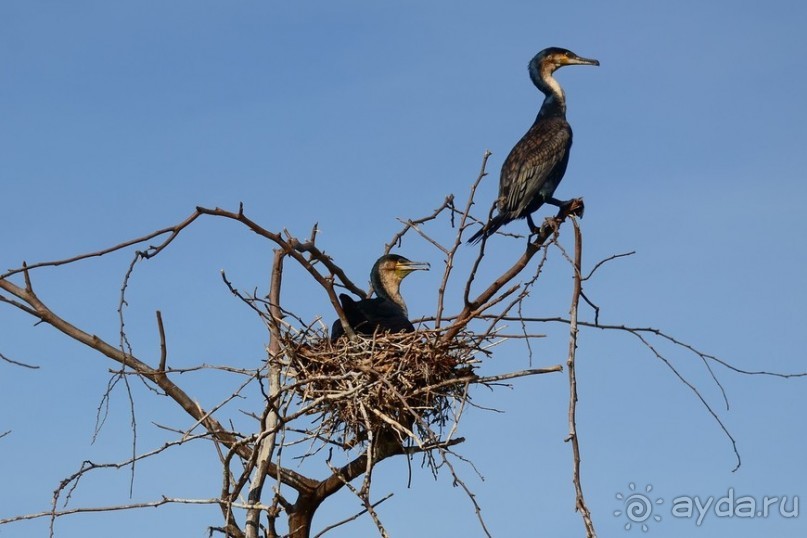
x=638 y=507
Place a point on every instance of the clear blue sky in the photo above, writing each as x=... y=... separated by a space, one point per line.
x=118 y=118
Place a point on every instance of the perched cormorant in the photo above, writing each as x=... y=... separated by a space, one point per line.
x=385 y=312
x=536 y=164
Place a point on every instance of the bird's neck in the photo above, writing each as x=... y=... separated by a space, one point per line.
x=555 y=100
x=553 y=106
x=388 y=287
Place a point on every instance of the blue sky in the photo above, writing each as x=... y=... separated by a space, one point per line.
x=119 y=118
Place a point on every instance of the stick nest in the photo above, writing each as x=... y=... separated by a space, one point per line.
x=405 y=382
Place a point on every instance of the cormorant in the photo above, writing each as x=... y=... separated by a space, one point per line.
x=536 y=164
x=385 y=312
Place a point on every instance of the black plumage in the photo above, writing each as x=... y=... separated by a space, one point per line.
x=387 y=311
x=536 y=164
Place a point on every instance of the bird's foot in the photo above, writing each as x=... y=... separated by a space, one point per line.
x=574 y=207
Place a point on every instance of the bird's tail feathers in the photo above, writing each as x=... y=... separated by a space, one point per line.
x=488 y=229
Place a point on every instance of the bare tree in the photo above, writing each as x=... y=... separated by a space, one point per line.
x=345 y=406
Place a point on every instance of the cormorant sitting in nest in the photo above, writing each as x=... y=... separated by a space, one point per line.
x=536 y=164
x=385 y=312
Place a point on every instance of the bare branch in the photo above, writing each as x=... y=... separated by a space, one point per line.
x=351 y=518
x=606 y=260
x=117 y=508
x=637 y=331
x=266 y=447
x=448 y=203
x=24 y=365
x=580 y=502
x=160 y=379
x=468 y=492
x=465 y=216
x=173 y=230
x=163 y=347
x=473 y=308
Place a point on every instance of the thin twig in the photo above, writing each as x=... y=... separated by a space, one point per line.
x=468 y=492
x=173 y=230
x=117 y=508
x=163 y=347
x=24 y=365
x=606 y=260
x=351 y=518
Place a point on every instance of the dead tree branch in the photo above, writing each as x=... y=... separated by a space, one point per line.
x=18 y=363
x=580 y=501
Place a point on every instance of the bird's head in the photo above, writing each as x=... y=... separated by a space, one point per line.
x=387 y=274
x=397 y=267
x=559 y=57
x=548 y=60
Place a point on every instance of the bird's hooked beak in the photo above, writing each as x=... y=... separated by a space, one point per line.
x=407 y=266
x=578 y=60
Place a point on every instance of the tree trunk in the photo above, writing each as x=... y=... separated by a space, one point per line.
x=301 y=515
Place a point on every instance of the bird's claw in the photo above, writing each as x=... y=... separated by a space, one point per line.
x=574 y=207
